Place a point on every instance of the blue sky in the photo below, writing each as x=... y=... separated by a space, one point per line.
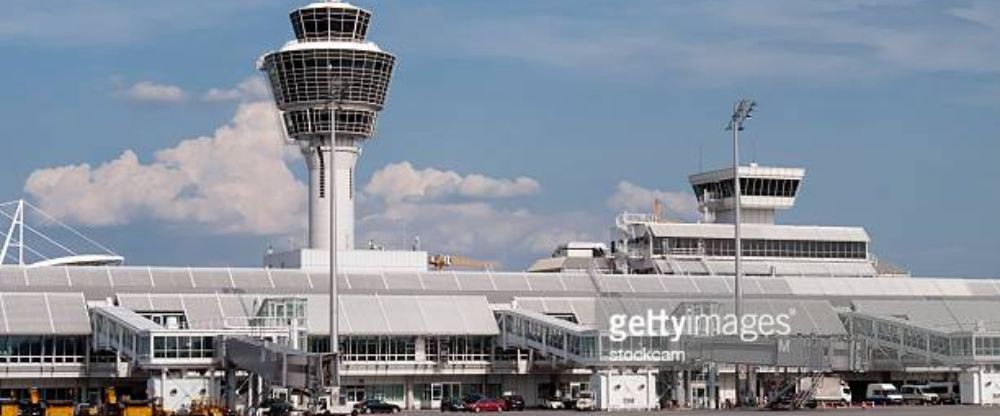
x=891 y=106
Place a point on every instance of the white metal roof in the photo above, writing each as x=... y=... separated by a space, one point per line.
x=404 y=315
x=329 y=5
x=761 y=231
x=128 y=317
x=43 y=314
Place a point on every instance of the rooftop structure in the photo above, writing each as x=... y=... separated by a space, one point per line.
x=764 y=191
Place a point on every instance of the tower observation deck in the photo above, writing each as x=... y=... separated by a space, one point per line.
x=329 y=69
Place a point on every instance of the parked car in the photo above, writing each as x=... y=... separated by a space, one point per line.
x=947 y=391
x=513 y=402
x=884 y=393
x=473 y=397
x=485 y=405
x=374 y=406
x=551 y=403
x=915 y=394
x=585 y=401
x=452 y=404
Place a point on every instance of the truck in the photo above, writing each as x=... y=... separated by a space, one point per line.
x=883 y=393
x=826 y=390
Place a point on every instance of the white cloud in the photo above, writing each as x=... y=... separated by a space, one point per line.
x=478 y=229
x=253 y=88
x=402 y=202
x=634 y=198
x=235 y=181
x=147 y=91
x=400 y=181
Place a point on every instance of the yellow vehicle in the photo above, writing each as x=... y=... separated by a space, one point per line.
x=9 y=407
x=138 y=408
x=59 y=408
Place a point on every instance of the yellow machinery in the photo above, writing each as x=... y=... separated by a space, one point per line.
x=59 y=408
x=138 y=408
x=201 y=408
x=9 y=407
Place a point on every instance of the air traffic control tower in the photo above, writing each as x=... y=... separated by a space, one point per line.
x=330 y=68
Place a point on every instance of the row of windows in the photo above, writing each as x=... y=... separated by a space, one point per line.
x=330 y=24
x=762 y=248
x=317 y=121
x=42 y=349
x=309 y=76
x=375 y=349
x=381 y=349
x=183 y=347
x=748 y=186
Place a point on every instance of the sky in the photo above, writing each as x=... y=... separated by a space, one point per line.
x=511 y=126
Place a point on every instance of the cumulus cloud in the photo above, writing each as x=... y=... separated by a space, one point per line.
x=253 y=88
x=234 y=181
x=464 y=214
x=477 y=228
x=634 y=198
x=400 y=181
x=147 y=91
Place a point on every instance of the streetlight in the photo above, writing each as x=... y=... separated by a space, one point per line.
x=742 y=112
x=337 y=89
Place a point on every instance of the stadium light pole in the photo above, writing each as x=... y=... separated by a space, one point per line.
x=742 y=112
x=336 y=96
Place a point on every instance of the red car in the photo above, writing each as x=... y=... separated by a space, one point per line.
x=484 y=405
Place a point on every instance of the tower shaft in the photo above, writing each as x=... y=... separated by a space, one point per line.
x=321 y=177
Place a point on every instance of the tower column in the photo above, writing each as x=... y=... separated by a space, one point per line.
x=320 y=178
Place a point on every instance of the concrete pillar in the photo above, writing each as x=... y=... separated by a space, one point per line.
x=687 y=388
x=409 y=393
x=712 y=385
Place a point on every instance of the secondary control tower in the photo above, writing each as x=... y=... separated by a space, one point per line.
x=329 y=69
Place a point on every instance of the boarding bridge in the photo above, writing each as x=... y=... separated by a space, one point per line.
x=901 y=343
x=150 y=345
x=585 y=346
x=276 y=364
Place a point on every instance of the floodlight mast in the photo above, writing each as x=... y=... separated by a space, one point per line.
x=742 y=111
x=337 y=90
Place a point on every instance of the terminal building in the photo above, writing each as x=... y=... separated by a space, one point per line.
x=413 y=336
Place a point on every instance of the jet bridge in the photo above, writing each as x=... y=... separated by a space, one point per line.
x=818 y=340
x=938 y=332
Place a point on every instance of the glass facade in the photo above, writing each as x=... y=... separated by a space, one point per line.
x=785 y=188
x=305 y=76
x=317 y=121
x=762 y=248
x=318 y=24
x=174 y=346
x=42 y=349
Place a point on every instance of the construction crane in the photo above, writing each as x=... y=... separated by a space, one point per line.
x=442 y=261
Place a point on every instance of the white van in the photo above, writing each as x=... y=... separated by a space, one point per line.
x=883 y=393
x=914 y=394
